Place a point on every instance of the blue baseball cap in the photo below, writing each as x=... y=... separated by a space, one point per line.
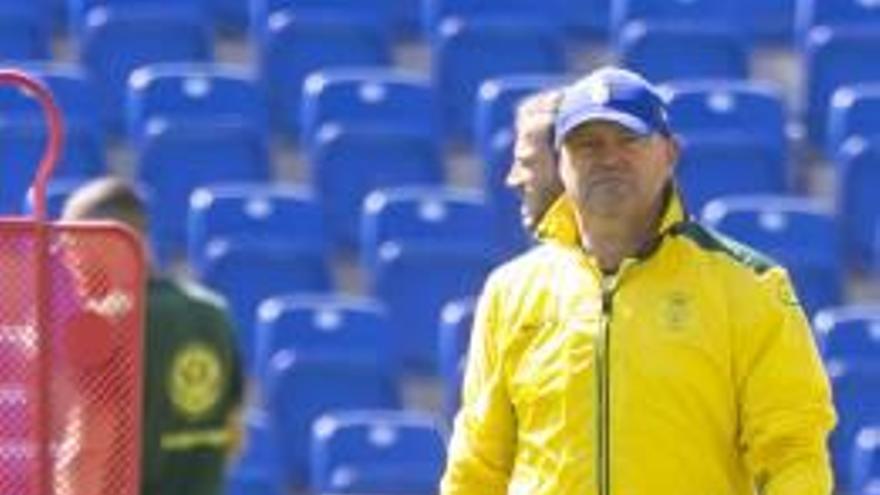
x=615 y=95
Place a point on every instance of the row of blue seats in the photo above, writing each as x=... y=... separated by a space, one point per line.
x=361 y=327
x=368 y=129
x=766 y=20
x=421 y=246
x=424 y=248
x=234 y=16
x=332 y=352
x=465 y=54
x=350 y=165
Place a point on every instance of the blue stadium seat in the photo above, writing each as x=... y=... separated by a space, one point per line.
x=751 y=110
x=495 y=111
x=239 y=233
x=466 y=53
x=74 y=92
x=21 y=148
x=348 y=164
x=858 y=183
x=29 y=11
x=588 y=18
x=799 y=233
x=23 y=131
x=377 y=453
x=272 y=213
x=405 y=16
x=550 y=13
x=80 y=10
x=423 y=214
x=414 y=280
x=292 y=46
x=333 y=325
x=58 y=12
x=720 y=13
x=24 y=30
x=849 y=332
x=733 y=138
x=376 y=98
x=865 y=467
x=770 y=21
x=456 y=319
x=739 y=127
x=836 y=14
x=301 y=388
x=193 y=93
x=378 y=12
x=116 y=41
x=858 y=405
x=834 y=58
x=668 y=40
x=257 y=469
x=231 y=15
x=421 y=248
x=249 y=272
x=665 y=51
x=175 y=159
x=854 y=111
x=494 y=135
x=726 y=165
x=583 y=19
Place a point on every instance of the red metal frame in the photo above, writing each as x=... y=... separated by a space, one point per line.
x=115 y=261
x=54 y=141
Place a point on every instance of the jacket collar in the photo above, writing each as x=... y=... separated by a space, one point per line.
x=559 y=223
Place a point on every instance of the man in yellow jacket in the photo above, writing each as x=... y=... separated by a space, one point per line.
x=635 y=352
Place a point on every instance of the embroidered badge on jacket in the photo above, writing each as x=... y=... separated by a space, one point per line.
x=677 y=311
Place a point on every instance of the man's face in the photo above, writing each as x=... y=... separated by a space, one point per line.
x=533 y=173
x=611 y=171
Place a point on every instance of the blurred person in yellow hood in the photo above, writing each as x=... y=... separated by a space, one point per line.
x=534 y=172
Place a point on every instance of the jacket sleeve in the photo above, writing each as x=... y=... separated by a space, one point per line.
x=785 y=405
x=483 y=440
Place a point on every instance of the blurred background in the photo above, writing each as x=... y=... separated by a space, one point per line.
x=335 y=169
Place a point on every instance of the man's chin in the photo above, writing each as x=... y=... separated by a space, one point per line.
x=607 y=205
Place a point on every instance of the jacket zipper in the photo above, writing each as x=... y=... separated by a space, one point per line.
x=603 y=386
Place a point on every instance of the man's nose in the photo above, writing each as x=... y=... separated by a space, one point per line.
x=610 y=157
x=606 y=151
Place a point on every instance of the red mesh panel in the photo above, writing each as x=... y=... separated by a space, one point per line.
x=71 y=318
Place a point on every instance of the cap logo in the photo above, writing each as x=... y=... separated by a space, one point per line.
x=599 y=93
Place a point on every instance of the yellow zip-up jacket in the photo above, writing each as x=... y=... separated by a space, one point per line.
x=692 y=371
